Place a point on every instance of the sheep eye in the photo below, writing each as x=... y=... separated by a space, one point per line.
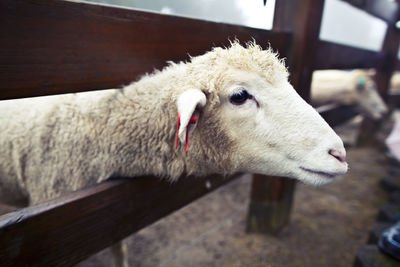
x=240 y=97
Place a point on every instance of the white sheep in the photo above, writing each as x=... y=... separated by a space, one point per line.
x=355 y=87
x=235 y=105
x=394 y=87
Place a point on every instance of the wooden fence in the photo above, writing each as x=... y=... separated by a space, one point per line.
x=51 y=47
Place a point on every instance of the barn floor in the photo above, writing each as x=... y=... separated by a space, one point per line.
x=328 y=225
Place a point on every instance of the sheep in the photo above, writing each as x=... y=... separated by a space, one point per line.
x=394 y=87
x=230 y=110
x=354 y=87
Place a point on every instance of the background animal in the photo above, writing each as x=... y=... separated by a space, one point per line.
x=355 y=87
x=237 y=113
x=394 y=87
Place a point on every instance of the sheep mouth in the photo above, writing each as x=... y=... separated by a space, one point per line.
x=329 y=175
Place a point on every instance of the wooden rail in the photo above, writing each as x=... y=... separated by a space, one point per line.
x=51 y=47
x=336 y=56
x=64 y=231
x=336 y=114
x=394 y=100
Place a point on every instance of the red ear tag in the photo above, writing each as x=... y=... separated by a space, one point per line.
x=192 y=120
x=178 y=124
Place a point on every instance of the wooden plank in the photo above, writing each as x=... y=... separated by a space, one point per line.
x=394 y=100
x=271 y=212
x=384 y=72
x=386 y=10
x=337 y=56
x=64 y=231
x=335 y=114
x=397 y=67
x=283 y=15
x=49 y=47
x=270 y=204
x=388 y=64
x=367 y=133
x=306 y=28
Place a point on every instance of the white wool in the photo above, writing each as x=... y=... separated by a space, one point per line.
x=60 y=143
x=395 y=83
x=355 y=87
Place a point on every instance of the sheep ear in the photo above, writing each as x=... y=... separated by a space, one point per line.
x=361 y=83
x=187 y=103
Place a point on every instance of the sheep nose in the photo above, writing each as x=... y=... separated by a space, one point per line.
x=340 y=156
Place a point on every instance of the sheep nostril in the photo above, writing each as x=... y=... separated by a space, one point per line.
x=338 y=155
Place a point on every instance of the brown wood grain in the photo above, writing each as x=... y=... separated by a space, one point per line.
x=52 y=46
x=271 y=204
x=387 y=65
x=64 y=231
x=306 y=28
x=394 y=100
x=336 y=56
x=269 y=211
x=336 y=114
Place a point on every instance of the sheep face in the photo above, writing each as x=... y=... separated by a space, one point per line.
x=259 y=127
x=275 y=132
x=252 y=120
x=369 y=101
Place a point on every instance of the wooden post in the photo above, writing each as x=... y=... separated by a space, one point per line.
x=384 y=71
x=271 y=197
x=270 y=204
x=387 y=66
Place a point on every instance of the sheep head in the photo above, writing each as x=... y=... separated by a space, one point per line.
x=250 y=119
x=368 y=99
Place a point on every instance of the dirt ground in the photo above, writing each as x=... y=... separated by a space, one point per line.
x=328 y=225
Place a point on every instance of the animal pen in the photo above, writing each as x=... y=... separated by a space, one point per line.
x=53 y=47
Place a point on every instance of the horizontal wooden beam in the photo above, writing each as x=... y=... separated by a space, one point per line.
x=337 y=56
x=52 y=46
x=386 y=10
x=394 y=100
x=335 y=114
x=67 y=230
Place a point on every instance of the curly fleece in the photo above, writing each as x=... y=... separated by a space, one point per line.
x=54 y=144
